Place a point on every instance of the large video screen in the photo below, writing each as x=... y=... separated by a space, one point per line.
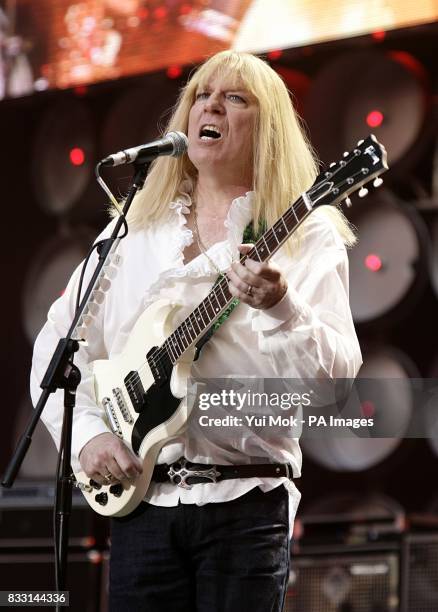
x=66 y=43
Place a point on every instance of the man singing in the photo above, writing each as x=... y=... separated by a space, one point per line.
x=219 y=546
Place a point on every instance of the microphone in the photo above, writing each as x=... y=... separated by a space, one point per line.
x=173 y=143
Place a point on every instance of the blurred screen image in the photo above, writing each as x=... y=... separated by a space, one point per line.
x=49 y=44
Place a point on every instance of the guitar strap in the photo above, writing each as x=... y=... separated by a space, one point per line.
x=249 y=236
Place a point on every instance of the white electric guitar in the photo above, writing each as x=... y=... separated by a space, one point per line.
x=142 y=390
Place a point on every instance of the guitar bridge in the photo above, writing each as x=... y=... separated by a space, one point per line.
x=111 y=416
x=127 y=417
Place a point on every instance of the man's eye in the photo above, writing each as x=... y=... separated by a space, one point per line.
x=236 y=98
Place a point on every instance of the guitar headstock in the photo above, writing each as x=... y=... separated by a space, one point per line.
x=359 y=166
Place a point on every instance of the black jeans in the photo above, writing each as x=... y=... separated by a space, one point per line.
x=220 y=557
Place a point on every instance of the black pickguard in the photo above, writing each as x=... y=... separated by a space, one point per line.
x=159 y=406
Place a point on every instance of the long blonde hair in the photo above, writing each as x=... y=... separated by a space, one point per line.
x=284 y=163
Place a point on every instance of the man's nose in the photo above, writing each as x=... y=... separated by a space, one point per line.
x=214 y=103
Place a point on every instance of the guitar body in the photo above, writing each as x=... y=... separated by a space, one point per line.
x=163 y=411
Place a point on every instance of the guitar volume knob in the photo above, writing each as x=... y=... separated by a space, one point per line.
x=101 y=498
x=116 y=489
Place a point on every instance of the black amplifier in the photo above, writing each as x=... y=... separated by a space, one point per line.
x=26 y=518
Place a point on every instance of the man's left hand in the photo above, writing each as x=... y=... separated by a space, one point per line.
x=260 y=285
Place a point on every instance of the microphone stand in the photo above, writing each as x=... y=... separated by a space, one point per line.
x=63 y=374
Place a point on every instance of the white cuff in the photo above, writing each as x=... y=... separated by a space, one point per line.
x=85 y=427
x=289 y=307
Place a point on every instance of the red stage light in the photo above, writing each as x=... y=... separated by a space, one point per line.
x=274 y=55
x=160 y=12
x=95 y=557
x=379 y=35
x=80 y=90
x=373 y=262
x=77 y=156
x=143 y=13
x=368 y=409
x=88 y=541
x=173 y=72
x=374 y=118
x=185 y=9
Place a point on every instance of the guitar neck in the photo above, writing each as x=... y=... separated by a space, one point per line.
x=219 y=298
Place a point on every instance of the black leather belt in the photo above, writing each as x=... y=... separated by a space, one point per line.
x=184 y=473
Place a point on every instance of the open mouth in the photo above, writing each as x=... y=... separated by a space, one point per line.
x=209 y=132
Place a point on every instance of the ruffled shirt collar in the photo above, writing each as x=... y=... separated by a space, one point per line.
x=175 y=279
x=238 y=217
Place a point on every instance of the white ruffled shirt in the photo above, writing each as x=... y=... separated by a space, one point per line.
x=308 y=334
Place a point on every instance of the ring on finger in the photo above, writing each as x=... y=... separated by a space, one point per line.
x=249 y=290
x=108 y=476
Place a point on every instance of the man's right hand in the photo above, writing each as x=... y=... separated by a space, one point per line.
x=106 y=459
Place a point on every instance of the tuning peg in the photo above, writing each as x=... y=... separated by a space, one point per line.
x=363 y=192
x=359 y=142
x=377 y=182
x=332 y=164
x=346 y=154
x=348 y=202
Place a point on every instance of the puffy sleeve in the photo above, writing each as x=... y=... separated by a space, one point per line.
x=310 y=332
x=87 y=416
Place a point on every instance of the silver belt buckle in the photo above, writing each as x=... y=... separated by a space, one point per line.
x=184 y=472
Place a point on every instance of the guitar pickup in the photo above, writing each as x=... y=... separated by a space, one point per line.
x=160 y=367
x=135 y=390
